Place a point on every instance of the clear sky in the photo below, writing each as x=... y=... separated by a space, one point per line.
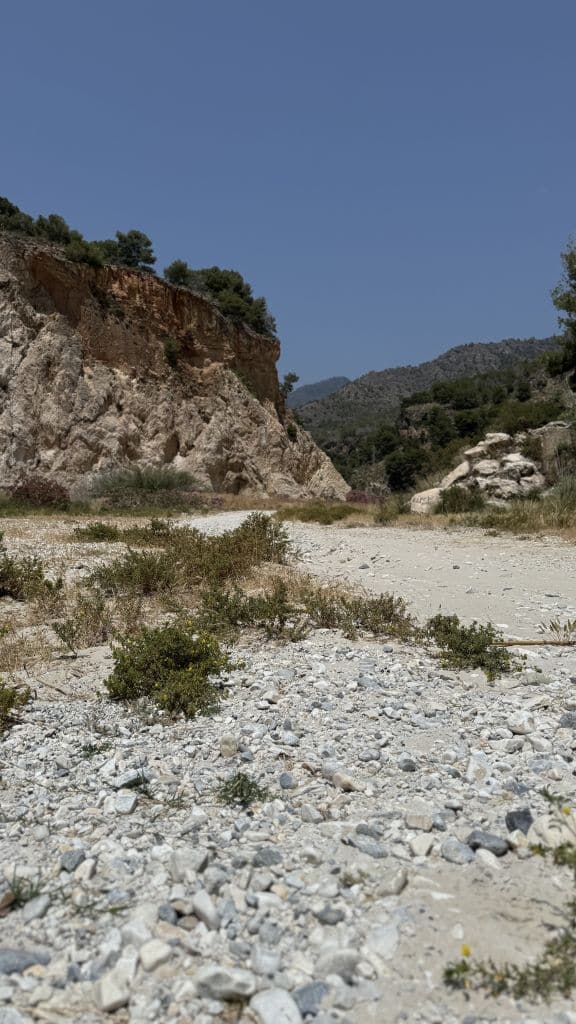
x=395 y=176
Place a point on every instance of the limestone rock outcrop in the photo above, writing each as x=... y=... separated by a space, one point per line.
x=497 y=468
x=86 y=384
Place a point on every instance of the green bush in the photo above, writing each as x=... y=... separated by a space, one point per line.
x=22 y=578
x=404 y=465
x=514 y=415
x=272 y=611
x=460 y=499
x=241 y=789
x=469 y=647
x=172 y=348
x=97 y=532
x=292 y=431
x=174 y=666
x=316 y=513
x=137 y=572
x=12 y=698
x=142 y=478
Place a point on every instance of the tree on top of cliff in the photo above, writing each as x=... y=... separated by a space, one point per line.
x=12 y=219
x=135 y=250
x=228 y=290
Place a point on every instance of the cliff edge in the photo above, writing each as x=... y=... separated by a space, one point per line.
x=101 y=367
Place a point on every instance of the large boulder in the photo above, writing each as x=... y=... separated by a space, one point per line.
x=425 y=502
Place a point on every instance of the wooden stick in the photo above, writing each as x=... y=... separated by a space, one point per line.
x=536 y=643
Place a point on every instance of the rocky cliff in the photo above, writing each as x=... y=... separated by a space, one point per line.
x=102 y=366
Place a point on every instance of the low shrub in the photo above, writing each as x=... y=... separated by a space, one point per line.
x=22 y=578
x=137 y=572
x=174 y=666
x=390 y=508
x=460 y=499
x=292 y=431
x=89 y=621
x=38 y=492
x=316 y=513
x=330 y=608
x=172 y=349
x=142 y=478
x=356 y=497
x=469 y=647
x=273 y=611
x=12 y=698
x=555 y=510
x=241 y=789
x=97 y=532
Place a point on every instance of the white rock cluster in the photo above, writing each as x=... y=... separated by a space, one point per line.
x=495 y=467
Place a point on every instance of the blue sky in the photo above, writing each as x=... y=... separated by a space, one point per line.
x=395 y=176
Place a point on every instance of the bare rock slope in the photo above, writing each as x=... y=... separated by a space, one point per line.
x=86 y=386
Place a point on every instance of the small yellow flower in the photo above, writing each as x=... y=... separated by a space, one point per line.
x=566 y=810
x=465 y=950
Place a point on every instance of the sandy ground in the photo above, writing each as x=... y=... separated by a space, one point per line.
x=513 y=582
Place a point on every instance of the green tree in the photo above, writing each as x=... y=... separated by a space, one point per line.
x=135 y=250
x=564 y=298
x=12 y=219
x=404 y=465
x=178 y=272
x=81 y=251
x=287 y=385
x=54 y=228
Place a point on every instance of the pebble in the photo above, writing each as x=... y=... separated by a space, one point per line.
x=275 y=1006
x=224 y=983
x=456 y=852
x=154 y=953
x=480 y=840
x=14 y=961
x=521 y=723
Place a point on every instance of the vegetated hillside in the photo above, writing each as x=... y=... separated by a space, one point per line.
x=314 y=392
x=105 y=366
x=377 y=396
x=434 y=425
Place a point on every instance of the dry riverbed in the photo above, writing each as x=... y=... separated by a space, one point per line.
x=342 y=895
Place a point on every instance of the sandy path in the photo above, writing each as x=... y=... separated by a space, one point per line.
x=511 y=582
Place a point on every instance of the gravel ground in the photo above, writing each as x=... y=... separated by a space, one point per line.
x=342 y=894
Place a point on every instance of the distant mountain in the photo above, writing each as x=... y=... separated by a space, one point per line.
x=377 y=395
x=314 y=392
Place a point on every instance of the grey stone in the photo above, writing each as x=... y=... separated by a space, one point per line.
x=519 y=819
x=456 y=852
x=267 y=856
x=225 y=983
x=330 y=915
x=71 y=859
x=369 y=846
x=154 y=953
x=205 y=910
x=275 y=1006
x=126 y=801
x=406 y=763
x=287 y=781
x=14 y=961
x=309 y=998
x=34 y=909
x=568 y=720
x=339 y=961
x=480 y=840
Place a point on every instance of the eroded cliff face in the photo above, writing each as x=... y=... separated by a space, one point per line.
x=85 y=385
